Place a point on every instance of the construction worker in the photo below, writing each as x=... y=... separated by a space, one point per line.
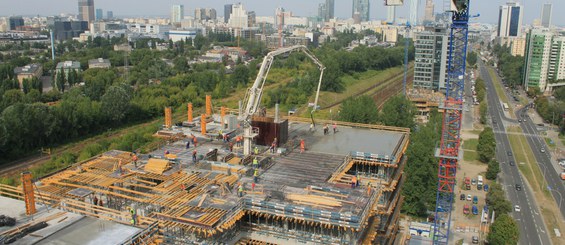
x=133 y=216
x=335 y=127
x=255 y=175
x=240 y=190
x=358 y=181
x=353 y=182
x=187 y=144
x=238 y=141
x=252 y=186
x=231 y=146
x=274 y=146
x=134 y=159
x=256 y=150
x=302 y=145
x=255 y=163
x=194 y=156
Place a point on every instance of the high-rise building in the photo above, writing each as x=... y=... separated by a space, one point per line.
x=429 y=12
x=109 y=15
x=510 y=20
x=537 y=57
x=279 y=17
x=251 y=18
x=361 y=7
x=431 y=55
x=99 y=14
x=64 y=30
x=227 y=12
x=322 y=11
x=414 y=12
x=238 y=17
x=330 y=5
x=86 y=10
x=204 y=14
x=177 y=13
x=15 y=22
x=546 y=15
x=391 y=14
x=518 y=46
x=211 y=14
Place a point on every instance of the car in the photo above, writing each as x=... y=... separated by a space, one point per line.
x=475 y=210
x=469 y=197
x=542 y=150
x=475 y=200
x=485 y=188
x=516 y=208
x=473 y=181
x=518 y=187
x=519 y=120
x=511 y=163
x=475 y=240
x=462 y=197
x=509 y=153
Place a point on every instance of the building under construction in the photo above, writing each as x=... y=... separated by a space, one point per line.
x=286 y=196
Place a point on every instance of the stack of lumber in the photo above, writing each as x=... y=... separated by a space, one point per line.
x=157 y=166
x=315 y=200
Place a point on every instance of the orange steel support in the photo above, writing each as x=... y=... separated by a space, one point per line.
x=203 y=124
x=222 y=115
x=29 y=196
x=168 y=117
x=208 y=105
x=189 y=112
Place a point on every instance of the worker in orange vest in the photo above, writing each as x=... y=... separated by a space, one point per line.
x=134 y=159
x=302 y=145
x=353 y=182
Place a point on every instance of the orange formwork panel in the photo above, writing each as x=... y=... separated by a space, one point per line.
x=29 y=196
x=189 y=112
x=168 y=117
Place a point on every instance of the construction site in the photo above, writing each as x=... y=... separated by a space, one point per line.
x=284 y=192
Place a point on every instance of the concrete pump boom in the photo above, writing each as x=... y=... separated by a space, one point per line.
x=254 y=94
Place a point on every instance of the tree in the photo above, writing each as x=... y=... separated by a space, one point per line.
x=181 y=64
x=398 y=111
x=483 y=111
x=240 y=75
x=115 y=103
x=504 y=230
x=487 y=145
x=492 y=170
x=496 y=199
x=472 y=58
x=360 y=109
x=60 y=80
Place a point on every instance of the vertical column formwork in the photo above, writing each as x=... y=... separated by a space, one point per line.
x=189 y=112
x=448 y=152
x=168 y=117
x=208 y=105
x=203 y=124
x=222 y=117
x=29 y=196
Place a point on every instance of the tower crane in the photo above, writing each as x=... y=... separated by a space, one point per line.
x=255 y=92
x=448 y=152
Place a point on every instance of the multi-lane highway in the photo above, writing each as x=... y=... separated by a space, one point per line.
x=532 y=229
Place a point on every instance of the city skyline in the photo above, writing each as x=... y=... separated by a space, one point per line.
x=146 y=8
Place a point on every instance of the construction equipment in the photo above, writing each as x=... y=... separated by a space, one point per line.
x=254 y=94
x=453 y=110
x=29 y=196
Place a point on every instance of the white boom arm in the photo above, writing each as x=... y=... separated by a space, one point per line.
x=254 y=94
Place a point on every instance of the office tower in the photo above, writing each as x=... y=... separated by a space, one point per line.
x=430 y=62
x=238 y=17
x=429 y=12
x=86 y=10
x=544 y=58
x=251 y=18
x=414 y=12
x=15 y=22
x=279 y=17
x=177 y=13
x=546 y=15
x=227 y=12
x=99 y=14
x=510 y=20
x=361 y=7
x=211 y=14
x=330 y=5
x=391 y=14
x=109 y=15
x=322 y=11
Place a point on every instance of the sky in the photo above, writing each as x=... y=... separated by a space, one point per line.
x=488 y=9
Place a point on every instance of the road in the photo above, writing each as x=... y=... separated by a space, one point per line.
x=532 y=229
x=553 y=180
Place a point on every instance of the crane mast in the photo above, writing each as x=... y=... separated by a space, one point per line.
x=448 y=152
x=255 y=92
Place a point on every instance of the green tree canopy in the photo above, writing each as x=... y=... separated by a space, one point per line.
x=398 y=111
x=487 y=145
x=496 y=199
x=504 y=231
x=360 y=109
x=492 y=170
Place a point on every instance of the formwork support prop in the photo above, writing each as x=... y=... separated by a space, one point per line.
x=222 y=116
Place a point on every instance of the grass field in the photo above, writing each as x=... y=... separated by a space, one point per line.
x=470 y=156
x=470 y=144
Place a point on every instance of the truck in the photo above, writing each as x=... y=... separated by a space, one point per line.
x=479 y=182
